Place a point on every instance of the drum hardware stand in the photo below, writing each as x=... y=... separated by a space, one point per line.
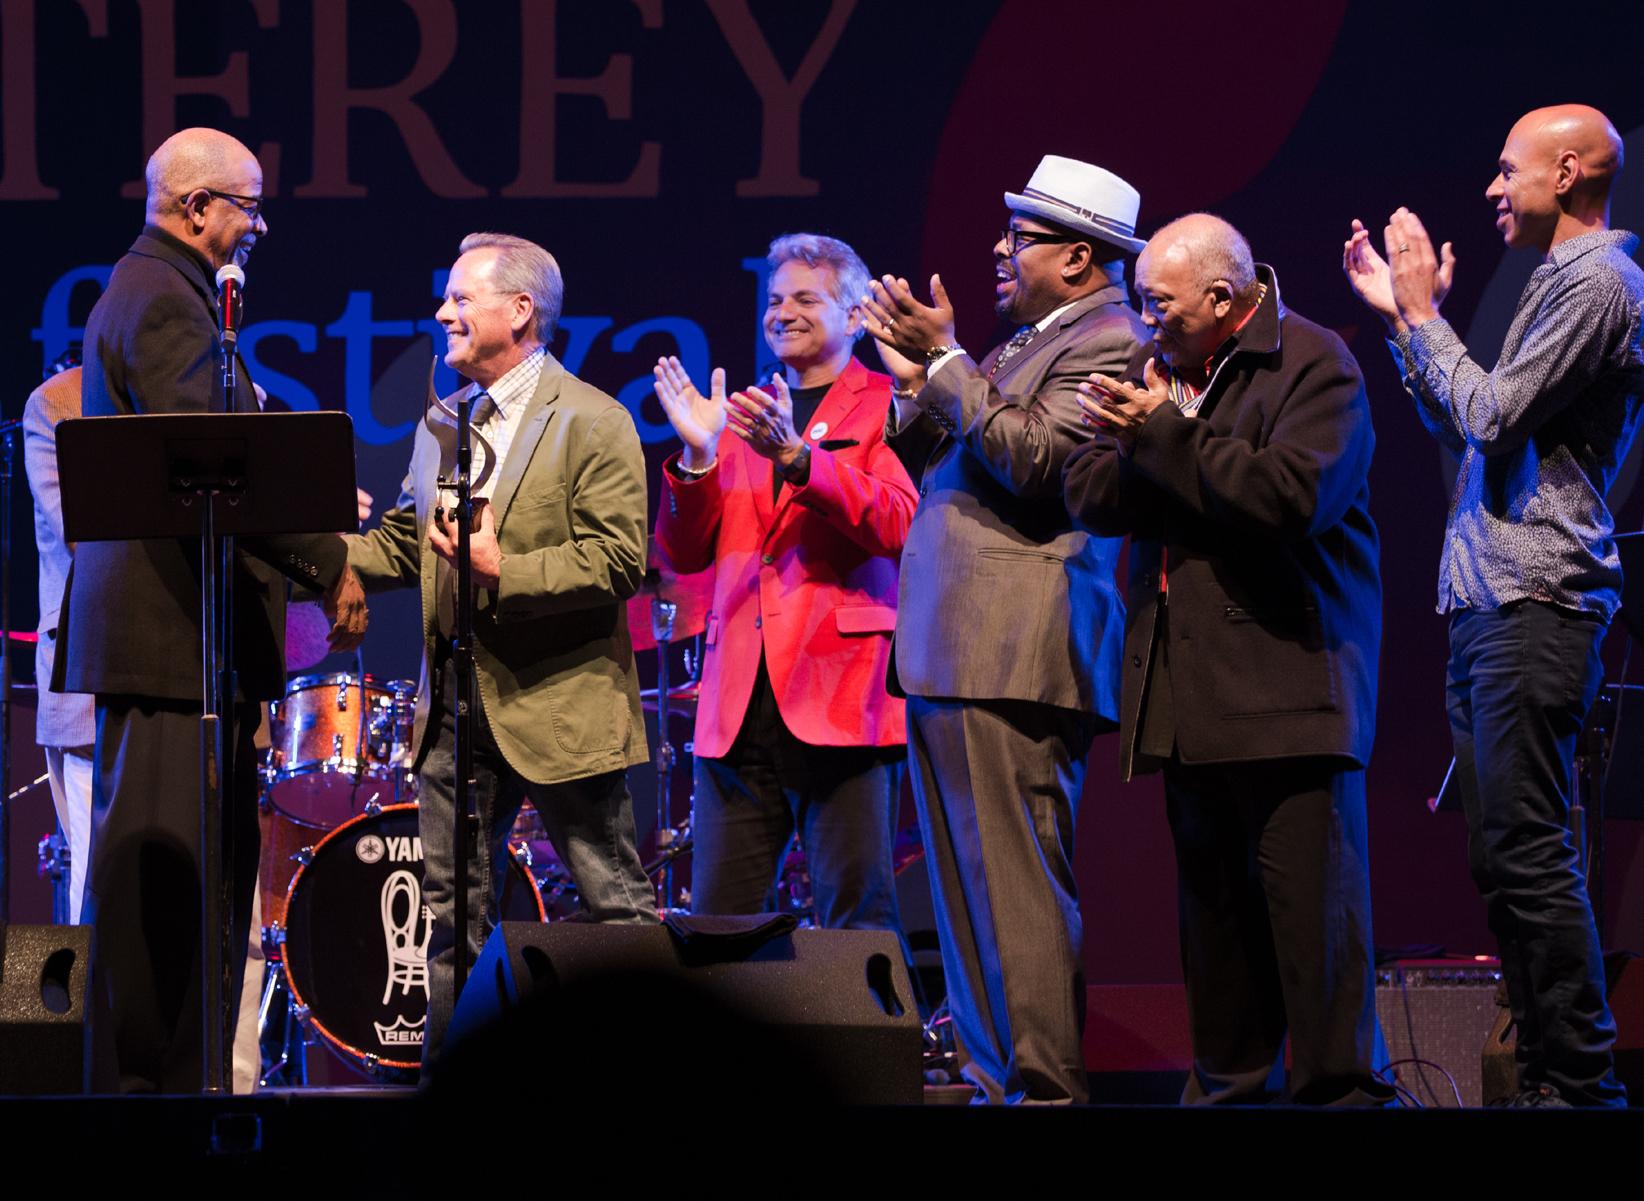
x=791 y=891
x=52 y=857
x=291 y=1066
x=54 y=864
x=678 y=845
x=663 y=613
x=8 y=452
x=361 y=752
x=941 y=1053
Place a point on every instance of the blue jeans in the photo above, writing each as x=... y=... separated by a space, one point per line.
x=1521 y=680
x=590 y=821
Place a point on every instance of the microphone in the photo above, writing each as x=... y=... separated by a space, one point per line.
x=230 y=286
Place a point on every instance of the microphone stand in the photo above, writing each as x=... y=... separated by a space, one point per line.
x=462 y=661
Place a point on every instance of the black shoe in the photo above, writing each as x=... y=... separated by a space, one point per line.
x=1543 y=1096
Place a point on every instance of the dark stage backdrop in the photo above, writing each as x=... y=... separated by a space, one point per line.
x=657 y=145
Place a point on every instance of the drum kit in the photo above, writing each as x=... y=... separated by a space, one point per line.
x=344 y=928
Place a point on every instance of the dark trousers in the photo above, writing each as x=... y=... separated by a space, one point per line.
x=143 y=889
x=1521 y=680
x=997 y=785
x=590 y=822
x=1273 y=901
x=841 y=799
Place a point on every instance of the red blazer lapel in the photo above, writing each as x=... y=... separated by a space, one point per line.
x=830 y=414
x=759 y=471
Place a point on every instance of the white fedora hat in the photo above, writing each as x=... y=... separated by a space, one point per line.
x=1081 y=197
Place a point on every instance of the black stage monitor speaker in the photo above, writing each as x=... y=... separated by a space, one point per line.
x=44 y=989
x=822 y=1017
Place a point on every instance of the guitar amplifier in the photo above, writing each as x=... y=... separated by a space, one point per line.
x=1437 y=1016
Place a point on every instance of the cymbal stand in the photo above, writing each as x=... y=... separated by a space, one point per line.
x=663 y=613
x=8 y=450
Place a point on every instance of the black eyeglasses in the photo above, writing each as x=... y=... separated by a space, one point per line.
x=1016 y=239
x=251 y=206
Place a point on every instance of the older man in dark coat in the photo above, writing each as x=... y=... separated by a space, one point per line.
x=1237 y=458
x=130 y=631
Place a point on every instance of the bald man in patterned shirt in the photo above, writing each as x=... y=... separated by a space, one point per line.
x=1530 y=573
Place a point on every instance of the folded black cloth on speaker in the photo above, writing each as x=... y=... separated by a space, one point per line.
x=725 y=938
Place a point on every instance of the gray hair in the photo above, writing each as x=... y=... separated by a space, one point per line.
x=523 y=266
x=850 y=273
x=1214 y=247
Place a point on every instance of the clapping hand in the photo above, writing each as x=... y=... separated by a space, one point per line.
x=1368 y=275
x=697 y=419
x=1118 y=409
x=764 y=420
x=904 y=324
x=1409 y=291
x=1421 y=279
x=908 y=375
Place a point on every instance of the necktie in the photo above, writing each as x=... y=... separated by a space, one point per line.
x=1010 y=349
x=484 y=409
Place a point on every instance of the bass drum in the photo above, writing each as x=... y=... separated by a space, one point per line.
x=355 y=935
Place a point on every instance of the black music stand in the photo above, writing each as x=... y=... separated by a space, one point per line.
x=212 y=477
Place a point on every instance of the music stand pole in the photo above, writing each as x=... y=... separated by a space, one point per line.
x=212 y=795
x=211 y=477
x=216 y=757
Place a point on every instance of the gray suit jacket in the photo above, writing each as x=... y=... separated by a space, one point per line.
x=63 y=719
x=1000 y=598
x=555 y=666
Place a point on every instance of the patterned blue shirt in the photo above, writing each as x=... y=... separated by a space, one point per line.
x=1542 y=436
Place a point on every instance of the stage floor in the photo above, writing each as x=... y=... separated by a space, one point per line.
x=397 y=1142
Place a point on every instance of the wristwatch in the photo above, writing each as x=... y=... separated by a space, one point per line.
x=798 y=471
x=937 y=353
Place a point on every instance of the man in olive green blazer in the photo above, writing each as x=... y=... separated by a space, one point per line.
x=556 y=549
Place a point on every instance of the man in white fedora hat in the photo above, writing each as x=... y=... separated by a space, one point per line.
x=1008 y=624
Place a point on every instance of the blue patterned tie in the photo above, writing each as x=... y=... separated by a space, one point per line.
x=1010 y=349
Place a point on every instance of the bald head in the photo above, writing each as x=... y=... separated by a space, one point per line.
x=1212 y=249
x=1197 y=282
x=189 y=159
x=1556 y=171
x=1577 y=129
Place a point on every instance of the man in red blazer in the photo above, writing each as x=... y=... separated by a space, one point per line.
x=790 y=491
